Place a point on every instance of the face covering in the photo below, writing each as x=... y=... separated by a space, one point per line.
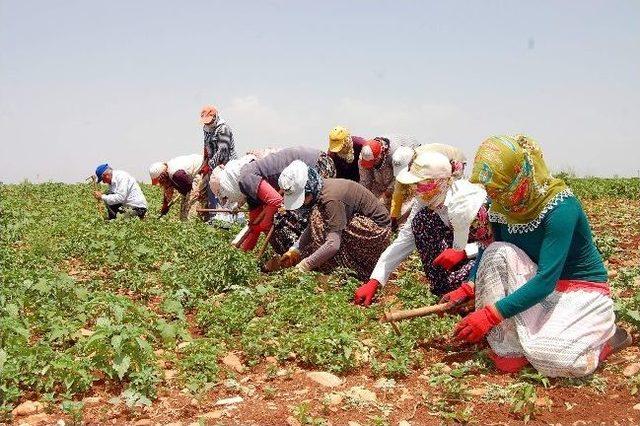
x=347 y=153
x=433 y=192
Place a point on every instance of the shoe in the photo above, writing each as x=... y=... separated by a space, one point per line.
x=620 y=340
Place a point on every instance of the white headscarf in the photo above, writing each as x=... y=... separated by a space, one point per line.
x=464 y=199
x=224 y=180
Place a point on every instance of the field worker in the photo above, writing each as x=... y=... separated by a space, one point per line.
x=255 y=181
x=124 y=194
x=181 y=174
x=402 y=198
x=443 y=212
x=344 y=150
x=219 y=148
x=376 y=164
x=348 y=226
x=541 y=291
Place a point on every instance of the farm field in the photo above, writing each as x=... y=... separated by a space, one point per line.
x=162 y=322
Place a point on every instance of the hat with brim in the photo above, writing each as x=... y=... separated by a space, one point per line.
x=401 y=159
x=428 y=165
x=370 y=154
x=208 y=114
x=336 y=145
x=292 y=181
x=100 y=171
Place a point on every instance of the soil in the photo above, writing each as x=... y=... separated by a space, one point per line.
x=278 y=399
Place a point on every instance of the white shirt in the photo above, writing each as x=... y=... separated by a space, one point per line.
x=124 y=190
x=189 y=163
x=405 y=244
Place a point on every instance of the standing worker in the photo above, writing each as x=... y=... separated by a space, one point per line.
x=219 y=147
x=124 y=194
x=181 y=174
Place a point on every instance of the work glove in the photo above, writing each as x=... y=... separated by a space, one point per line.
x=365 y=293
x=290 y=258
x=476 y=325
x=449 y=258
x=459 y=295
x=394 y=224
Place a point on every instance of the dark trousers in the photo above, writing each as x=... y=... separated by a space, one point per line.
x=114 y=209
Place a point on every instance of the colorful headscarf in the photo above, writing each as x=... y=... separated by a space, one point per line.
x=314 y=183
x=517 y=180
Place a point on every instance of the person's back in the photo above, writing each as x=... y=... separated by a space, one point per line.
x=189 y=163
x=355 y=198
x=128 y=188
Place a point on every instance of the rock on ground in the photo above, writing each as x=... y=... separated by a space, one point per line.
x=27 y=408
x=325 y=379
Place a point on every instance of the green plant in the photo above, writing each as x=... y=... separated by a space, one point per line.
x=199 y=365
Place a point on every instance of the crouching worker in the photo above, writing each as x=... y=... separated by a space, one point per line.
x=179 y=174
x=255 y=181
x=402 y=198
x=541 y=291
x=348 y=226
x=447 y=214
x=124 y=194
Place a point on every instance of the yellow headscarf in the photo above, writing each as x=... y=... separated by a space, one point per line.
x=517 y=180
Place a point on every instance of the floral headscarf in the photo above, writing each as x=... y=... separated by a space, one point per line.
x=314 y=183
x=517 y=180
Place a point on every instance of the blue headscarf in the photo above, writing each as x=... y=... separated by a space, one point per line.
x=100 y=170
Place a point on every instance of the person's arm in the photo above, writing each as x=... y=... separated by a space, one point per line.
x=206 y=155
x=398 y=251
x=325 y=252
x=366 y=177
x=396 y=200
x=334 y=216
x=272 y=201
x=166 y=199
x=303 y=240
x=223 y=153
x=559 y=226
x=119 y=193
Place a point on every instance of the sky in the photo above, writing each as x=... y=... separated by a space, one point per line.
x=86 y=82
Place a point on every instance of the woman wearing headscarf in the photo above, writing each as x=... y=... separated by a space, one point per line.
x=376 y=164
x=443 y=212
x=540 y=289
x=344 y=150
x=402 y=198
x=255 y=181
x=348 y=227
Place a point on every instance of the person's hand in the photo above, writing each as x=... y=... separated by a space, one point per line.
x=205 y=169
x=394 y=224
x=290 y=258
x=449 y=258
x=97 y=195
x=365 y=293
x=302 y=266
x=459 y=295
x=476 y=325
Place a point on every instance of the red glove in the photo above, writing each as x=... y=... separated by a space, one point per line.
x=476 y=325
x=449 y=258
x=459 y=295
x=364 y=294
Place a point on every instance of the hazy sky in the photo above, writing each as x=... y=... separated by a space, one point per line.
x=83 y=82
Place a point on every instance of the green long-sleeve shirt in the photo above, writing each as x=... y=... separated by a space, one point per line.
x=562 y=246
